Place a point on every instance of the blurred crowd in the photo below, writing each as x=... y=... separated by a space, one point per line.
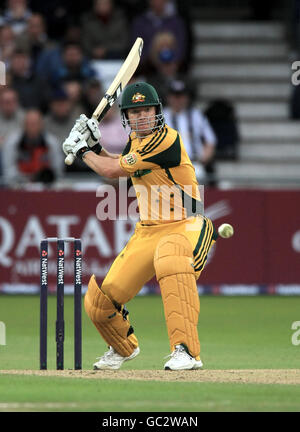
x=49 y=50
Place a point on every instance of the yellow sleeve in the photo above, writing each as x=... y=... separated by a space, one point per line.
x=133 y=161
x=163 y=150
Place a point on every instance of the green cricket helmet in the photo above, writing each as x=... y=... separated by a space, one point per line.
x=141 y=94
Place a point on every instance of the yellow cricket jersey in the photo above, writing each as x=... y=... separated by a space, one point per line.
x=163 y=177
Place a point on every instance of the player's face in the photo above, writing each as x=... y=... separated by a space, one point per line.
x=142 y=119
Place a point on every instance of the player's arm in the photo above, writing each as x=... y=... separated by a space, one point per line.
x=89 y=131
x=209 y=141
x=105 y=166
x=208 y=152
x=105 y=153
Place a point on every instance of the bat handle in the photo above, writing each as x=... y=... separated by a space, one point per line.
x=69 y=159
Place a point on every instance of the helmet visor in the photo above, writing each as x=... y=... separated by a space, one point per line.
x=143 y=125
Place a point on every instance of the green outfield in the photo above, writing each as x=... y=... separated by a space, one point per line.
x=236 y=333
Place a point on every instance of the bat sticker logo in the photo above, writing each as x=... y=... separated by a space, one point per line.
x=44 y=253
x=112 y=98
x=60 y=253
x=119 y=90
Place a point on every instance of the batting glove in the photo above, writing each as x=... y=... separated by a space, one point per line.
x=89 y=128
x=75 y=144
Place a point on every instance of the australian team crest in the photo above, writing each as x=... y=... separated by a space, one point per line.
x=138 y=97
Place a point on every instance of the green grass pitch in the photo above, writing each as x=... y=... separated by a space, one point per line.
x=235 y=333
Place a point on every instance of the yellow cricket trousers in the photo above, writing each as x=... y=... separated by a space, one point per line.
x=133 y=267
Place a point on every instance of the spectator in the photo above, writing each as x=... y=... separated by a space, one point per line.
x=113 y=135
x=73 y=89
x=73 y=34
x=60 y=15
x=16 y=15
x=61 y=118
x=52 y=56
x=104 y=31
x=33 y=91
x=92 y=94
x=222 y=117
x=162 y=66
x=132 y=8
x=186 y=14
x=161 y=16
x=7 y=44
x=31 y=154
x=163 y=48
x=11 y=116
x=74 y=66
x=197 y=134
x=34 y=39
x=65 y=64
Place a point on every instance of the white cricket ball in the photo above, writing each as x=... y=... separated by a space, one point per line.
x=225 y=230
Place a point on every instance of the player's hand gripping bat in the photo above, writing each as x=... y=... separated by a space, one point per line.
x=123 y=76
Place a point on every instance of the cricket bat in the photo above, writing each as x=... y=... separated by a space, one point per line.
x=123 y=76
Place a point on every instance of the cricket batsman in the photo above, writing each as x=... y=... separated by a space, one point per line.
x=171 y=240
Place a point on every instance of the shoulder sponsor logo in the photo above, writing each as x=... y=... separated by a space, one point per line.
x=130 y=159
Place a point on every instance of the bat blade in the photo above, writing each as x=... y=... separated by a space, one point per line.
x=123 y=76
x=113 y=92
